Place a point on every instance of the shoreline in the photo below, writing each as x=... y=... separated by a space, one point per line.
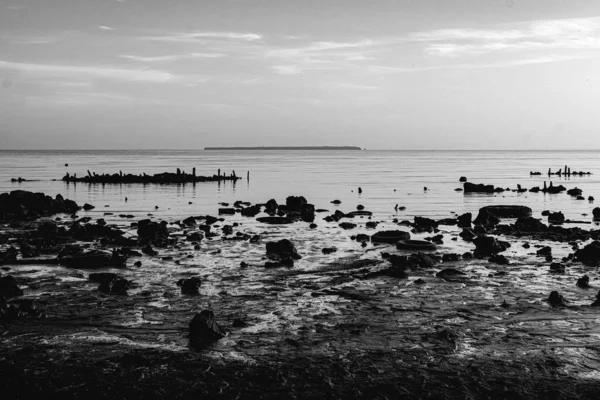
x=451 y=325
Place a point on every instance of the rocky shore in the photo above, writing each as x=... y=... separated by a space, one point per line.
x=163 y=178
x=301 y=303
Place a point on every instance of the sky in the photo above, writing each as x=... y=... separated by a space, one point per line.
x=379 y=74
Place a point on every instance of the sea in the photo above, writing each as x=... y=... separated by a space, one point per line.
x=424 y=182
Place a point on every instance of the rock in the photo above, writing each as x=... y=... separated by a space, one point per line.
x=347 y=225
x=227 y=211
x=544 y=251
x=209 y=219
x=530 y=224
x=486 y=245
x=449 y=273
x=148 y=250
x=389 y=236
x=204 y=329
x=359 y=213
x=116 y=286
x=464 y=220
x=227 y=229
x=239 y=323
x=415 y=245
x=251 y=211
x=189 y=221
x=360 y=207
x=8 y=256
x=312 y=226
x=295 y=203
x=425 y=222
x=555 y=299
x=451 y=257
x=88 y=207
x=596 y=212
x=477 y=188
x=137 y=264
x=580 y=198
x=508 y=211
x=194 y=237
x=190 y=286
x=275 y=220
x=486 y=218
x=336 y=202
x=329 y=250
x=103 y=277
x=9 y=288
x=583 y=282
x=557 y=268
x=413 y=261
x=283 y=248
x=150 y=231
x=462 y=179
x=574 y=192
x=372 y=224
x=498 y=259
x=467 y=255
x=362 y=237
x=468 y=234
x=590 y=198
x=447 y=221
x=597 y=302
x=556 y=217
x=590 y=254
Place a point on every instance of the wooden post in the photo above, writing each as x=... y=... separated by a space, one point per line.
x=549 y=171
x=219 y=173
x=545 y=186
x=194 y=171
x=89 y=173
x=248 y=176
x=178 y=172
x=121 y=173
x=234 y=175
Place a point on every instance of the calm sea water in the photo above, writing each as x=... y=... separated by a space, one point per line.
x=386 y=177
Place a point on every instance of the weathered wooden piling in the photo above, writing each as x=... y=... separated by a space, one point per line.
x=194 y=171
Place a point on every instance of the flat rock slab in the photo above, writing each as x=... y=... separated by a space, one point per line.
x=508 y=211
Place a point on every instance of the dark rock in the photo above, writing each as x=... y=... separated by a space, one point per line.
x=486 y=245
x=204 y=329
x=88 y=207
x=362 y=237
x=583 y=282
x=360 y=207
x=462 y=179
x=544 y=251
x=555 y=299
x=596 y=212
x=137 y=264
x=9 y=288
x=251 y=211
x=574 y=192
x=499 y=259
x=295 y=203
x=148 y=250
x=425 y=222
x=8 y=256
x=467 y=255
x=347 y=225
x=194 y=237
x=507 y=211
x=190 y=286
x=556 y=217
x=372 y=224
x=389 y=236
x=486 y=218
x=464 y=220
x=530 y=224
x=451 y=257
x=190 y=221
x=209 y=219
x=477 y=188
x=312 y=226
x=336 y=202
x=239 y=323
x=103 y=277
x=557 y=268
x=329 y=250
x=283 y=248
x=449 y=273
x=227 y=211
x=150 y=231
x=468 y=234
x=117 y=286
x=359 y=213
x=545 y=213
x=590 y=254
x=447 y=221
x=275 y=220
x=227 y=229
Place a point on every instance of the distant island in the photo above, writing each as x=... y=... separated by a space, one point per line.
x=287 y=148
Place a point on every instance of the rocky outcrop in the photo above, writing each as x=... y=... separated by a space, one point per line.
x=204 y=329
x=477 y=188
x=590 y=254
x=93 y=259
x=389 y=236
x=190 y=286
x=487 y=245
x=507 y=211
x=21 y=205
x=283 y=248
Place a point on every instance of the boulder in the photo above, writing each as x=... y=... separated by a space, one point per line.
x=464 y=220
x=467 y=234
x=596 y=212
x=283 y=248
x=556 y=217
x=347 y=225
x=498 y=259
x=574 y=192
x=508 y=211
x=555 y=299
x=590 y=254
x=9 y=288
x=530 y=224
x=329 y=250
x=117 y=286
x=389 y=236
x=462 y=179
x=150 y=231
x=190 y=286
x=583 y=282
x=227 y=211
x=204 y=329
x=486 y=218
x=295 y=203
x=275 y=220
x=544 y=251
x=8 y=256
x=425 y=222
x=189 y=221
x=251 y=211
x=487 y=245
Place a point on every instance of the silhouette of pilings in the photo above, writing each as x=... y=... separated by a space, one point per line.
x=164 y=178
x=566 y=171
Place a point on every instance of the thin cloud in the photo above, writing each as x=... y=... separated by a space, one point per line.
x=383 y=69
x=74 y=71
x=172 y=57
x=187 y=37
x=105 y=28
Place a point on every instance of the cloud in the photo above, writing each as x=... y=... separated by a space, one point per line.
x=172 y=57
x=94 y=72
x=383 y=69
x=105 y=28
x=187 y=37
x=576 y=33
x=286 y=69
